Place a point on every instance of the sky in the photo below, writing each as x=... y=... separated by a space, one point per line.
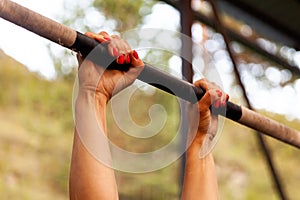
x=31 y=50
x=23 y=45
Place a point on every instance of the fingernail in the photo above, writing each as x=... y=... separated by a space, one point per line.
x=135 y=54
x=223 y=104
x=121 y=59
x=127 y=59
x=99 y=38
x=88 y=34
x=219 y=93
x=115 y=52
x=107 y=38
x=227 y=97
x=217 y=103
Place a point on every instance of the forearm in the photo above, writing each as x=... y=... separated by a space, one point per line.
x=91 y=177
x=200 y=182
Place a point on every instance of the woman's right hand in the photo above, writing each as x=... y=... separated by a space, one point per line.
x=208 y=123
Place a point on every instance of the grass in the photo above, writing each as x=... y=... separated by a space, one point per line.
x=33 y=165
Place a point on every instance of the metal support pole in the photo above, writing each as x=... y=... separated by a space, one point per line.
x=261 y=141
x=186 y=20
x=241 y=39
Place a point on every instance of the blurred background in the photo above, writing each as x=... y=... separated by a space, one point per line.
x=253 y=45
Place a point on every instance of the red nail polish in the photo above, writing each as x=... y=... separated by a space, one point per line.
x=107 y=38
x=217 y=103
x=135 y=54
x=219 y=93
x=223 y=104
x=127 y=59
x=227 y=97
x=121 y=59
x=115 y=52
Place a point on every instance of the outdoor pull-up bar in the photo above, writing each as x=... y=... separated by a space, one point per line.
x=76 y=41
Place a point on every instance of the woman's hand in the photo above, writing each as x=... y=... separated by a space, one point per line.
x=106 y=83
x=208 y=123
x=90 y=174
x=200 y=181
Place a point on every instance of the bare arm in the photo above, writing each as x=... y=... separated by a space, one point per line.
x=91 y=175
x=200 y=178
x=200 y=181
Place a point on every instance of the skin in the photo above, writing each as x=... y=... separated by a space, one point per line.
x=200 y=181
x=92 y=179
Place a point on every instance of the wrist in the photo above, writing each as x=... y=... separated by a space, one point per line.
x=88 y=102
x=90 y=109
x=198 y=141
x=92 y=97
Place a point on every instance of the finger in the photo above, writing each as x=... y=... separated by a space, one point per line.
x=127 y=46
x=213 y=95
x=115 y=36
x=223 y=97
x=202 y=83
x=122 y=46
x=121 y=59
x=219 y=96
x=107 y=38
x=104 y=34
x=206 y=100
x=113 y=50
x=137 y=66
x=99 y=38
x=118 y=47
x=127 y=58
x=135 y=59
x=90 y=34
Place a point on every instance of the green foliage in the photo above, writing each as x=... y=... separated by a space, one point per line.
x=139 y=107
x=241 y=167
x=126 y=13
x=36 y=128
x=119 y=16
x=158 y=185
